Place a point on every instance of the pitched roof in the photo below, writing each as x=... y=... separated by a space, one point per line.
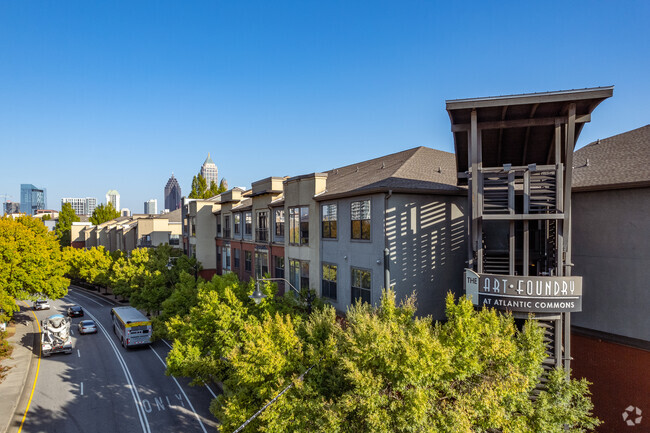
x=208 y=160
x=621 y=161
x=417 y=170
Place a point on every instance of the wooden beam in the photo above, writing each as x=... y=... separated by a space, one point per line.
x=539 y=98
x=503 y=117
x=520 y=123
x=532 y=114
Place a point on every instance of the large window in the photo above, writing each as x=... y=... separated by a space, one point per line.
x=248 y=223
x=278 y=264
x=226 y=258
x=261 y=264
x=248 y=261
x=299 y=274
x=360 y=212
x=262 y=227
x=299 y=225
x=174 y=239
x=235 y=253
x=329 y=221
x=328 y=288
x=219 y=225
x=226 y=226
x=192 y=226
x=360 y=285
x=279 y=223
x=237 y=223
x=219 y=257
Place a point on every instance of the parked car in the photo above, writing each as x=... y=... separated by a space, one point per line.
x=87 y=327
x=75 y=311
x=41 y=304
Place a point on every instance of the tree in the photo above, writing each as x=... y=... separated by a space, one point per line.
x=199 y=187
x=64 y=225
x=223 y=185
x=31 y=263
x=92 y=266
x=103 y=213
x=389 y=371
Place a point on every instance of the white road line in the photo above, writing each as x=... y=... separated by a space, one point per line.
x=144 y=423
x=96 y=296
x=206 y=385
x=78 y=354
x=90 y=299
x=183 y=392
x=82 y=388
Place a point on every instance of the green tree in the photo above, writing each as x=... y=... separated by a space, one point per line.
x=199 y=187
x=223 y=185
x=92 y=266
x=103 y=213
x=31 y=263
x=64 y=225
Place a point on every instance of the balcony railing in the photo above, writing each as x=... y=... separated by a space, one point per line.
x=262 y=235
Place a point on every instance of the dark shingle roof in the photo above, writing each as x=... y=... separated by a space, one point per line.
x=420 y=170
x=621 y=161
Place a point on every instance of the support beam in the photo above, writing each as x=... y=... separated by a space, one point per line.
x=520 y=123
x=473 y=152
x=530 y=116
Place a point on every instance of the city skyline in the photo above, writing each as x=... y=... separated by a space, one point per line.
x=265 y=87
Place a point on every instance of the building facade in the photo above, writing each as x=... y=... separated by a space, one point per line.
x=11 y=207
x=32 y=199
x=209 y=171
x=151 y=207
x=81 y=206
x=172 y=194
x=112 y=196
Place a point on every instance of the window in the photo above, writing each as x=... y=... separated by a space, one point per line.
x=248 y=223
x=262 y=227
x=192 y=226
x=360 y=285
x=235 y=253
x=219 y=257
x=328 y=288
x=248 y=261
x=279 y=223
x=278 y=264
x=261 y=263
x=226 y=258
x=226 y=226
x=299 y=225
x=237 y=223
x=299 y=274
x=360 y=212
x=174 y=239
x=329 y=221
x=219 y=225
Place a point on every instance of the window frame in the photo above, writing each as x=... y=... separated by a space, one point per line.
x=248 y=223
x=329 y=283
x=361 y=290
x=248 y=261
x=299 y=225
x=236 y=223
x=279 y=228
x=361 y=222
x=326 y=224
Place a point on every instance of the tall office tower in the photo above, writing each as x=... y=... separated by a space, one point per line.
x=172 y=194
x=32 y=198
x=81 y=206
x=151 y=206
x=209 y=171
x=113 y=196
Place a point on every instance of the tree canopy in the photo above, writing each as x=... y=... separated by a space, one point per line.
x=201 y=189
x=31 y=263
x=64 y=225
x=103 y=213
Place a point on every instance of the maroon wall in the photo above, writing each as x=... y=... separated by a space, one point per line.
x=620 y=377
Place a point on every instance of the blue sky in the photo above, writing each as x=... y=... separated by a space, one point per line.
x=120 y=94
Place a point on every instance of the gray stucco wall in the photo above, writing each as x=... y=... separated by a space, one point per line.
x=426 y=238
x=611 y=251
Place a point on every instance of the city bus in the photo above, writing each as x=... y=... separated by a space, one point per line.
x=131 y=326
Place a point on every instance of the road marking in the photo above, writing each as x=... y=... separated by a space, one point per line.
x=144 y=422
x=78 y=354
x=196 y=415
x=101 y=298
x=38 y=367
x=82 y=388
x=90 y=299
x=206 y=385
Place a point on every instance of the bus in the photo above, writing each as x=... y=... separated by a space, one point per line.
x=131 y=326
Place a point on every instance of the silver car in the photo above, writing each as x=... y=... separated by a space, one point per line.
x=41 y=304
x=87 y=327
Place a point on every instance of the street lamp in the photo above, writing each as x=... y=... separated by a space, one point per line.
x=257 y=295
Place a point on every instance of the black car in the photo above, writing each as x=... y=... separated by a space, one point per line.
x=75 y=311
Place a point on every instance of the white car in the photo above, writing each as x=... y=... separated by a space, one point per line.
x=87 y=327
x=41 y=304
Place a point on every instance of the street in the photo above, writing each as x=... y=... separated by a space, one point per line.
x=102 y=387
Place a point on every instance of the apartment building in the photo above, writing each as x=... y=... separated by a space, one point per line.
x=199 y=232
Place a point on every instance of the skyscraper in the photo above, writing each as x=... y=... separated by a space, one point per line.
x=151 y=206
x=32 y=198
x=113 y=196
x=172 y=194
x=209 y=171
x=81 y=206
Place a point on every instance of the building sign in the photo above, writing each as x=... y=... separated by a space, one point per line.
x=524 y=294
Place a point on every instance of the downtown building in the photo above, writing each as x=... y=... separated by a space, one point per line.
x=81 y=206
x=172 y=194
x=209 y=171
x=112 y=196
x=151 y=207
x=32 y=199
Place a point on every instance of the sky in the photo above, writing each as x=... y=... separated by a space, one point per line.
x=100 y=95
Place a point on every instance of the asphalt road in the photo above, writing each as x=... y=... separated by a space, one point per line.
x=102 y=387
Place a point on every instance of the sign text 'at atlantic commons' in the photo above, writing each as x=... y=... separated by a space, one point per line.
x=525 y=294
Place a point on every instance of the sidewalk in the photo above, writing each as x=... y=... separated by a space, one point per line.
x=11 y=388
